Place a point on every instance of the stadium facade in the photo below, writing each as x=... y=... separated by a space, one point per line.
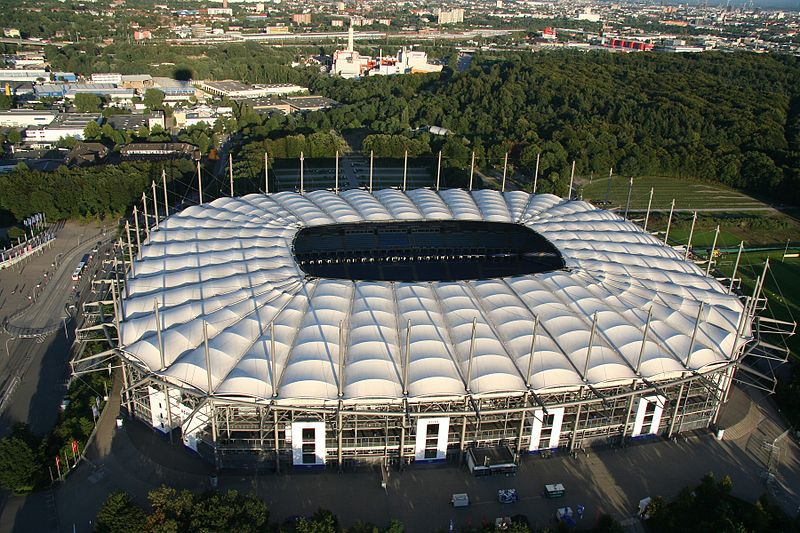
x=328 y=329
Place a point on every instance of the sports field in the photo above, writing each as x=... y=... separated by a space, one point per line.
x=781 y=286
x=688 y=194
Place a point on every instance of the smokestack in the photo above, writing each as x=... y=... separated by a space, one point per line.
x=350 y=37
x=225 y=4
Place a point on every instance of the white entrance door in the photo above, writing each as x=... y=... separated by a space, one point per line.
x=648 y=415
x=546 y=430
x=431 y=440
x=308 y=443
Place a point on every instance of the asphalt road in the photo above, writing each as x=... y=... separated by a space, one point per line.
x=33 y=371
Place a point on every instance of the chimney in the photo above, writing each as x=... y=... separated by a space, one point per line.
x=350 y=37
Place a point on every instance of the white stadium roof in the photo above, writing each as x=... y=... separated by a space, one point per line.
x=230 y=264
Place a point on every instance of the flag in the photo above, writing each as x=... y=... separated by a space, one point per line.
x=74 y=447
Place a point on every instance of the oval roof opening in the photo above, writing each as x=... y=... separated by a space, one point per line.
x=441 y=250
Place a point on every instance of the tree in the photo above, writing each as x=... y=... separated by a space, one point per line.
x=20 y=466
x=154 y=98
x=323 y=521
x=120 y=515
x=14 y=137
x=92 y=131
x=6 y=101
x=87 y=102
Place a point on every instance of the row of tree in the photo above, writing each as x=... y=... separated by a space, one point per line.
x=96 y=192
x=172 y=510
x=27 y=460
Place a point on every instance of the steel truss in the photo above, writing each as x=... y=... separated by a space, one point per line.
x=241 y=433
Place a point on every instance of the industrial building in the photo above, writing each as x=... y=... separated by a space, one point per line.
x=26 y=118
x=64 y=125
x=322 y=329
x=237 y=90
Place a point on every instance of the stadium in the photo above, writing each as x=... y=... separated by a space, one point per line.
x=305 y=330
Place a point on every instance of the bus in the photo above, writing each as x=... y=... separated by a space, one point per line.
x=76 y=274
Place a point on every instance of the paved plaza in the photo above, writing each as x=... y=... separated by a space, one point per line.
x=136 y=459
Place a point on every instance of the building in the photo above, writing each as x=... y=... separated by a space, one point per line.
x=407 y=327
x=107 y=77
x=21 y=89
x=139 y=82
x=220 y=11
x=128 y=122
x=106 y=90
x=86 y=153
x=349 y=63
x=50 y=90
x=301 y=18
x=63 y=126
x=587 y=15
x=176 y=90
x=24 y=74
x=449 y=16
x=309 y=103
x=267 y=105
x=156 y=118
x=26 y=118
x=405 y=62
x=202 y=114
x=237 y=90
x=142 y=35
x=160 y=151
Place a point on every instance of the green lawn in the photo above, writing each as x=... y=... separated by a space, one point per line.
x=688 y=194
x=781 y=287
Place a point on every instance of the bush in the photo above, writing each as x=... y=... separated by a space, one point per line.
x=20 y=464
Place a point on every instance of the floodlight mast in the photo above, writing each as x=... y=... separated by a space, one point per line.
x=266 y=171
x=155 y=203
x=571 y=180
x=471 y=171
x=669 y=222
x=505 y=169
x=405 y=170
x=230 y=171
x=146 y=217
x=199 y=183
x=691 y=234
x=164 y=186
x=439 y=171
x=649 y=205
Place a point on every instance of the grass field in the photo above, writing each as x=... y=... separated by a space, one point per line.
x=781 y=286
x=755 y=229
x=688 y=194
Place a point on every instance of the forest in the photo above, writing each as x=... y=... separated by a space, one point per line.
x=731 y=118
x=728 y=118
